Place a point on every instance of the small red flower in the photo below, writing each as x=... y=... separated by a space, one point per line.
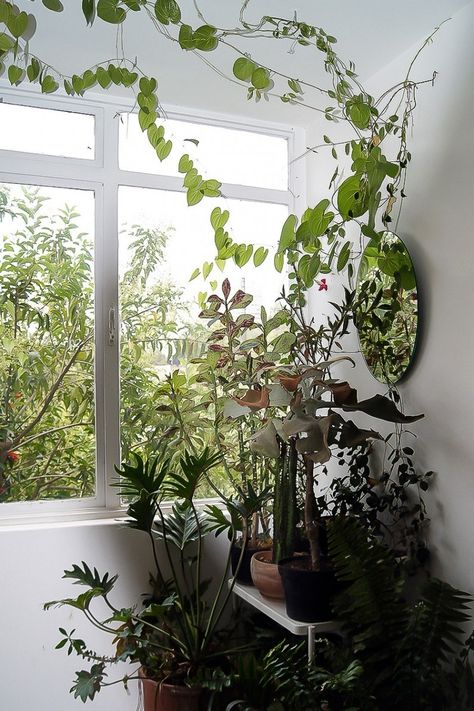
x=322 y=285
x=13 y=456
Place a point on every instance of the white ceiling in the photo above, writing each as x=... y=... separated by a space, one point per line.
x=370 y=32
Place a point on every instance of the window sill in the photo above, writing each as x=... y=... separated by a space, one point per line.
x=78 y=517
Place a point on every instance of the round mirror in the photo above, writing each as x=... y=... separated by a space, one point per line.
x=386 y=308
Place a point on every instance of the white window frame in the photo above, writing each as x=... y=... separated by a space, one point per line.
x=103 y=175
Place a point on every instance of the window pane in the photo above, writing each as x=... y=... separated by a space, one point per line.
x=47 y=442
x=45 y=131
x=161 y=243
x=228 y=155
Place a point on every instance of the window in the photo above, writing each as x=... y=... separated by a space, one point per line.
x=96 y=302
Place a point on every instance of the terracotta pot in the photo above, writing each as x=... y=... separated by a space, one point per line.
x=266 y=576
x=168 y=697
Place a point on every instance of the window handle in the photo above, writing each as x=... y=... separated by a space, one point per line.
x=112 y=328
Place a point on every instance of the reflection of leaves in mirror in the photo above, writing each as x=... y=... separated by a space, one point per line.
x=386 y=309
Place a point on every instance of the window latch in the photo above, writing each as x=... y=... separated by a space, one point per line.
x=112 y=329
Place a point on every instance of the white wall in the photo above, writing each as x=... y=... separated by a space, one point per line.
x=32 y=674
x=437 y=226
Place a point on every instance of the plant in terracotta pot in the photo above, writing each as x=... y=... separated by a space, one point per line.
x=176 y=641
x=304 y=437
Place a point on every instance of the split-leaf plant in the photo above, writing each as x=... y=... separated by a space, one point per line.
x=178 y=635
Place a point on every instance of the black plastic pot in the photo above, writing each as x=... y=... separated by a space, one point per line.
x=244 y=576
x=308 y=593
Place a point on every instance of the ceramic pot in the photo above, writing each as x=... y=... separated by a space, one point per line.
x=244 y=576
x=266 y=576
x=168 y=697
x=308 y=593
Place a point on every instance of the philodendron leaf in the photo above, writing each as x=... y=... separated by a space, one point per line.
x=265 y=442
x=382 y=408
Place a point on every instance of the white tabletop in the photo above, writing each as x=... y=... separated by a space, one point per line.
x=276 y=610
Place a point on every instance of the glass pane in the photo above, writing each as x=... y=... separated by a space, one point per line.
x=228 y=155
x=46 y=131
x=47 y=440
x=161 y=243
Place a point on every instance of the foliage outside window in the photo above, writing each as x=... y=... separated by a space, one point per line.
x=48 y=448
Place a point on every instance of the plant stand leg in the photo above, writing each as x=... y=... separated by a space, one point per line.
x=311 y=643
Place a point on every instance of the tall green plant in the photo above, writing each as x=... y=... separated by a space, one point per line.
x=176 y=636
x=407 y=649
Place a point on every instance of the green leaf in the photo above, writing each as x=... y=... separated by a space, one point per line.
x=15 y=74
x=259 y=256
x=287 y=237
x=49 y=85
x=242 y=255
x=103 y=77
x=89 y=79
x=195 y=274
x=33 y=70
x=343 y=257
x=87 y=683
x=163 y=149
x=194 y=196
x=294 y=85
x=260 y=78
x=186 y=37
x=146 y=119
x=319 y=219
x=109 y=11
x=279 y=261
x=6 y=42
x=167 y=11
x=359 y=113
x=185 y=164
x=207 y=269
x=88 y=10
x=205 y=38
x=243 y=69
x=148 y=85
x=77 y=84
x=54 y=5
x=352 y=198
x=283 y=343
x=18 y=25
x=219 y=218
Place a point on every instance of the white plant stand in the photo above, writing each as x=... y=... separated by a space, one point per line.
x=275 y=610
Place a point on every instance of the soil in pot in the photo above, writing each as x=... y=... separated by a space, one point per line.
x=168 y=697
x=266 y=576
x=244 y=576
x=308 y=593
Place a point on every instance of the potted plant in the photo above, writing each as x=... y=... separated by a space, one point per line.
x=303 y=437
x=174 y=642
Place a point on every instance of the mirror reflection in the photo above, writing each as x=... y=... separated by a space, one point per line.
x=386 y=309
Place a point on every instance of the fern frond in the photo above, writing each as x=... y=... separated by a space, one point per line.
x=370 y=607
